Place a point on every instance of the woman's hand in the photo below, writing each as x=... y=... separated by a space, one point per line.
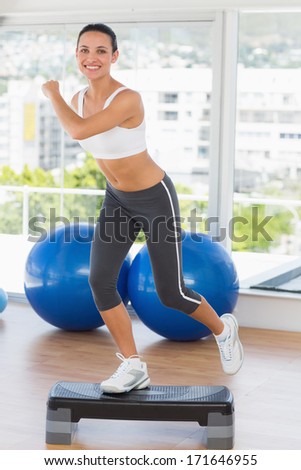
x=50 y=88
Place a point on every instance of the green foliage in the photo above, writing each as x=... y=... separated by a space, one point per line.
x=11 y=213
x=248 y=235
x=259 y=228
x=42 y=204
x=11 y=210
x=37 y=177
x=86 y=176
x=193 y=212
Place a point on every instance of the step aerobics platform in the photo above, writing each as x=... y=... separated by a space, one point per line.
x=210 y=406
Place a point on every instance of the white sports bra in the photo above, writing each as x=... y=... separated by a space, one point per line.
x=118 y=142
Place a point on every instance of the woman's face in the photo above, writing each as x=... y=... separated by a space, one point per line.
x=94 y=54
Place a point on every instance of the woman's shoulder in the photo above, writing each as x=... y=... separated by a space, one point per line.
x=128 y=94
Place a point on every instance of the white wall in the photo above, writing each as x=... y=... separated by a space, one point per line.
x=138 y=6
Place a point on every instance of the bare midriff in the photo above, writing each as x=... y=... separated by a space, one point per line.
x=131 y=173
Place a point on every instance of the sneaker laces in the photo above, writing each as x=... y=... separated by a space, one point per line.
x=226 y=349
x=124 y=364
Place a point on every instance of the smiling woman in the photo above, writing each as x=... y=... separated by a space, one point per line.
x=108 y=120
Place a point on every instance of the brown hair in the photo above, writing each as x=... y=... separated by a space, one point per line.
x=101 y=28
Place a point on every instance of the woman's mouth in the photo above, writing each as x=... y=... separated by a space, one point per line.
x=92 y=67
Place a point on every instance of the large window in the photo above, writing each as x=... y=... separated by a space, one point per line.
x=44 y=175
x=268 y=145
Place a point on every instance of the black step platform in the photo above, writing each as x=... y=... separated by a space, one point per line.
x=210 y=406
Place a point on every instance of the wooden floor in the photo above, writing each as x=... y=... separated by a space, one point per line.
x=34 y=355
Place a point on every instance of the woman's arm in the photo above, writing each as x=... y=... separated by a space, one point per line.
x=124 y=106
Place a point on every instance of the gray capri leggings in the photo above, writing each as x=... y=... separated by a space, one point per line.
x=123 y=214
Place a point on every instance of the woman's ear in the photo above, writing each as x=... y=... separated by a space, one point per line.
x=115 y=56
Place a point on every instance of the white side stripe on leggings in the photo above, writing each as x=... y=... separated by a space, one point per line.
x=177 y=250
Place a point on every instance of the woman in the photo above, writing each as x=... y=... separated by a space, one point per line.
x=108 y=120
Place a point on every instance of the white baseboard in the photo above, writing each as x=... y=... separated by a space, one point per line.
x=269 y=310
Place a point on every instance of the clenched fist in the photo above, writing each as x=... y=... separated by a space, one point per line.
x=50 y=87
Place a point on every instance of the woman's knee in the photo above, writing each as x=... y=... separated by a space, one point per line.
x=104 y=292
x=169 y=298
x=101 y=283
x=185 y=302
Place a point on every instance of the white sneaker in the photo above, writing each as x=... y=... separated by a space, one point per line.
x=231 y=350
x=131 y=374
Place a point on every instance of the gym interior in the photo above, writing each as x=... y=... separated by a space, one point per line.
x=220 y=82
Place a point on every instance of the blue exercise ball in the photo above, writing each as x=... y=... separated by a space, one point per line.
x=56 y=279
x=207 y=268
x=3 y=300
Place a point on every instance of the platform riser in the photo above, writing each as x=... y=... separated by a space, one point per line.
x=209 y=406
x=60 y=429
